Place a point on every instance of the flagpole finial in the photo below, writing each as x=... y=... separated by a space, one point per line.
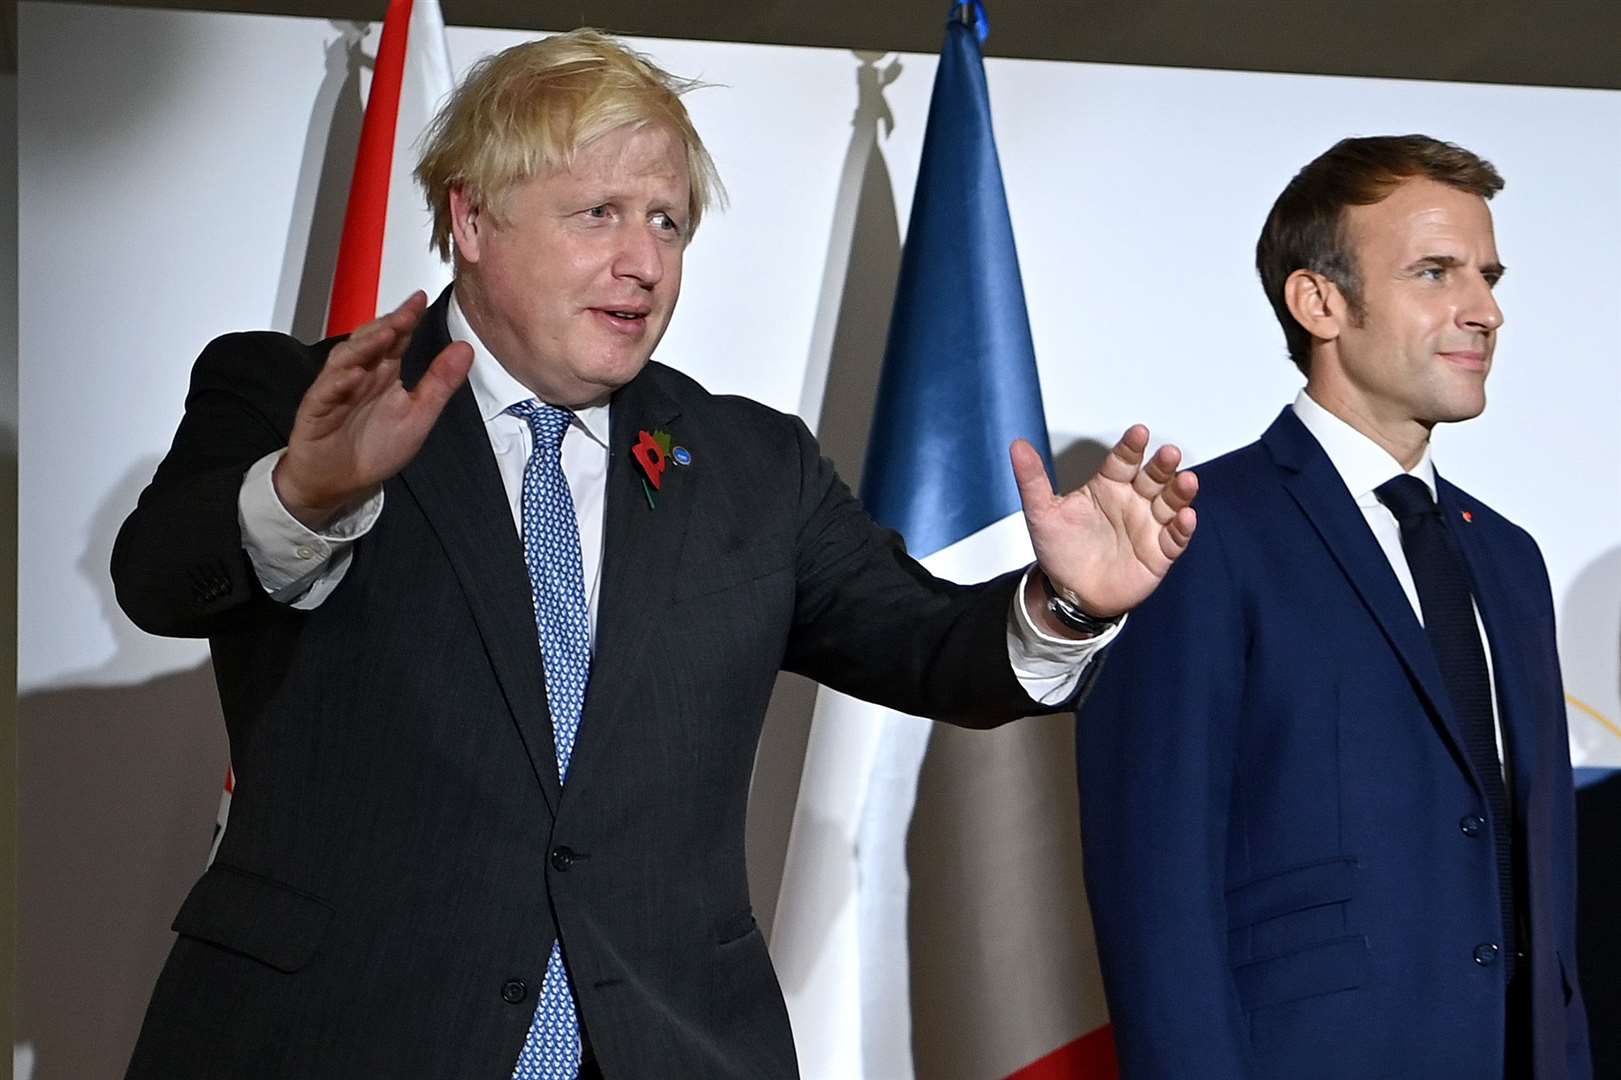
x=971 y=13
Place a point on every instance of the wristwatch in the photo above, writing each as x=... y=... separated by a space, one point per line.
x=1068 y=613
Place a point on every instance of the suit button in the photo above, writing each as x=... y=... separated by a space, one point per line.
x=1486 y=954
x=562 y=858
x=1471 y=824
x=514 y=990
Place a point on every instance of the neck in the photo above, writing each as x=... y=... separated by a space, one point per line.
x=1402 y=438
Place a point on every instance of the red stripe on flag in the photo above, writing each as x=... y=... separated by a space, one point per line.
x=1091 y=1057
x=360 y=255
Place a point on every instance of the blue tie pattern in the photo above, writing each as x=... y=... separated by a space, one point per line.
x=551 y=549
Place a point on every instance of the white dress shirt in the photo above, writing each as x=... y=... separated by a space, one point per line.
x=1363 y=465
x=300 y=567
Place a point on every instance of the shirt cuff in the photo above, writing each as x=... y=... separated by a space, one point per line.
x=293 y=563
x=1048 y=667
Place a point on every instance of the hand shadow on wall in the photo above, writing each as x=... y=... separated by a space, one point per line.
x=117 y=791
x=866 y=227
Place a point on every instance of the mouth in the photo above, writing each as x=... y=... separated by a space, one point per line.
x=1468 y=359
x=626 y=320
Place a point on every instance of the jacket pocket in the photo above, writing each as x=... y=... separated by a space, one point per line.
x=1340 y=964
x=1284 y=893
x=251 y=914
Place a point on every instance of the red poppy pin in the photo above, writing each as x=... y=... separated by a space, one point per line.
x=1468 y=517
x=654 y=453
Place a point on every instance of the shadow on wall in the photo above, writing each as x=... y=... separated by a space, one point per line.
x=316 y=225
x=119 y=785
x=865 y=232
x=1590 y=629
x=117 y=792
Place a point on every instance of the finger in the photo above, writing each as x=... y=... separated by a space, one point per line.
x=442 y=379
x=1175 y=537
x=385 y=335
x=1151 y=478
x=1123 y=460
x=1035 y=490
x=331 y=393
x=1174 y=496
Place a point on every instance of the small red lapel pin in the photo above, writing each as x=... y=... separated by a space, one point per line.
x=1468 y=517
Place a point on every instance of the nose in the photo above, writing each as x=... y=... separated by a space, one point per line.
x=639 y=256
x=1479 y=310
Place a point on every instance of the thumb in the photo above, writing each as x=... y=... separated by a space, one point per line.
x=1035 y=491
x=443 y=377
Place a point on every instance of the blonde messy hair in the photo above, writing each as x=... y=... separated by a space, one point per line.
x=532 y=107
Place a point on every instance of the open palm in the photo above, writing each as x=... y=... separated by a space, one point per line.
x=1110 y=542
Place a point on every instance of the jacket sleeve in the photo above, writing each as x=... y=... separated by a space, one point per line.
x=871 y=622
x=178 y=565
x=1155 y=748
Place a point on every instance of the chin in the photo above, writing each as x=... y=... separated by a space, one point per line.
x=1452 y=412
x=612 y=374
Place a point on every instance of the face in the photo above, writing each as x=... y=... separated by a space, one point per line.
x=573 y=287
x=1420 y=352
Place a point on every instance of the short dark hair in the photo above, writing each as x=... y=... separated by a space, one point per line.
x=1306 y=228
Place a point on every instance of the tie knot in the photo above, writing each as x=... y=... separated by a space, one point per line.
x=1407 y=496
x=546 y=422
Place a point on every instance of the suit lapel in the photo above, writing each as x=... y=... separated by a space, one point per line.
x=1312 y=481
x=455 y=481
x=641 y=548
x=1489 y=583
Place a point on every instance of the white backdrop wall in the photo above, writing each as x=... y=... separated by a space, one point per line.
x=170 y=172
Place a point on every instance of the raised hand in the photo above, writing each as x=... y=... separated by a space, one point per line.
x=358 y=425
x=1108 y=544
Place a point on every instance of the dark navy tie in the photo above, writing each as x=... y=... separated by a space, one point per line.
x=1449 y=620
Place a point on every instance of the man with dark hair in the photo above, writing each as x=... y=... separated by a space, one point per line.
x=1325 y=787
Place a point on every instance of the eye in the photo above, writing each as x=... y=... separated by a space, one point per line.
x=661 y=220
x=1433 y=273
x=597 y=211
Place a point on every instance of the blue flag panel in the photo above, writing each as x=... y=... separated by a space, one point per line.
x=959 y=377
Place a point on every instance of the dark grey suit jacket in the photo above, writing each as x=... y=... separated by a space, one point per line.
x=400 y=853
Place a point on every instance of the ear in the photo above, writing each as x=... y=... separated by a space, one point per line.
x=467 y=225
x=1316 y=303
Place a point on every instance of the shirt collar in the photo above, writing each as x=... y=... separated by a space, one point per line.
x=495 y=389
x=1362 y=463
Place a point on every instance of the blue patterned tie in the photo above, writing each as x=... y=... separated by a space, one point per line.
x=551 y=549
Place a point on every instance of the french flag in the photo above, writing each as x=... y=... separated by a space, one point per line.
x=958 y=385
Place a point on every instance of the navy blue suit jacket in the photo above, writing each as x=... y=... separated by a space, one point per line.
x=1288 y=855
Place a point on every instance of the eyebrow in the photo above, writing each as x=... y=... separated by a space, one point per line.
x=1494 y=269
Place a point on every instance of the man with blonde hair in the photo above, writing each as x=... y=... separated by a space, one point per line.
x=496 y=606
